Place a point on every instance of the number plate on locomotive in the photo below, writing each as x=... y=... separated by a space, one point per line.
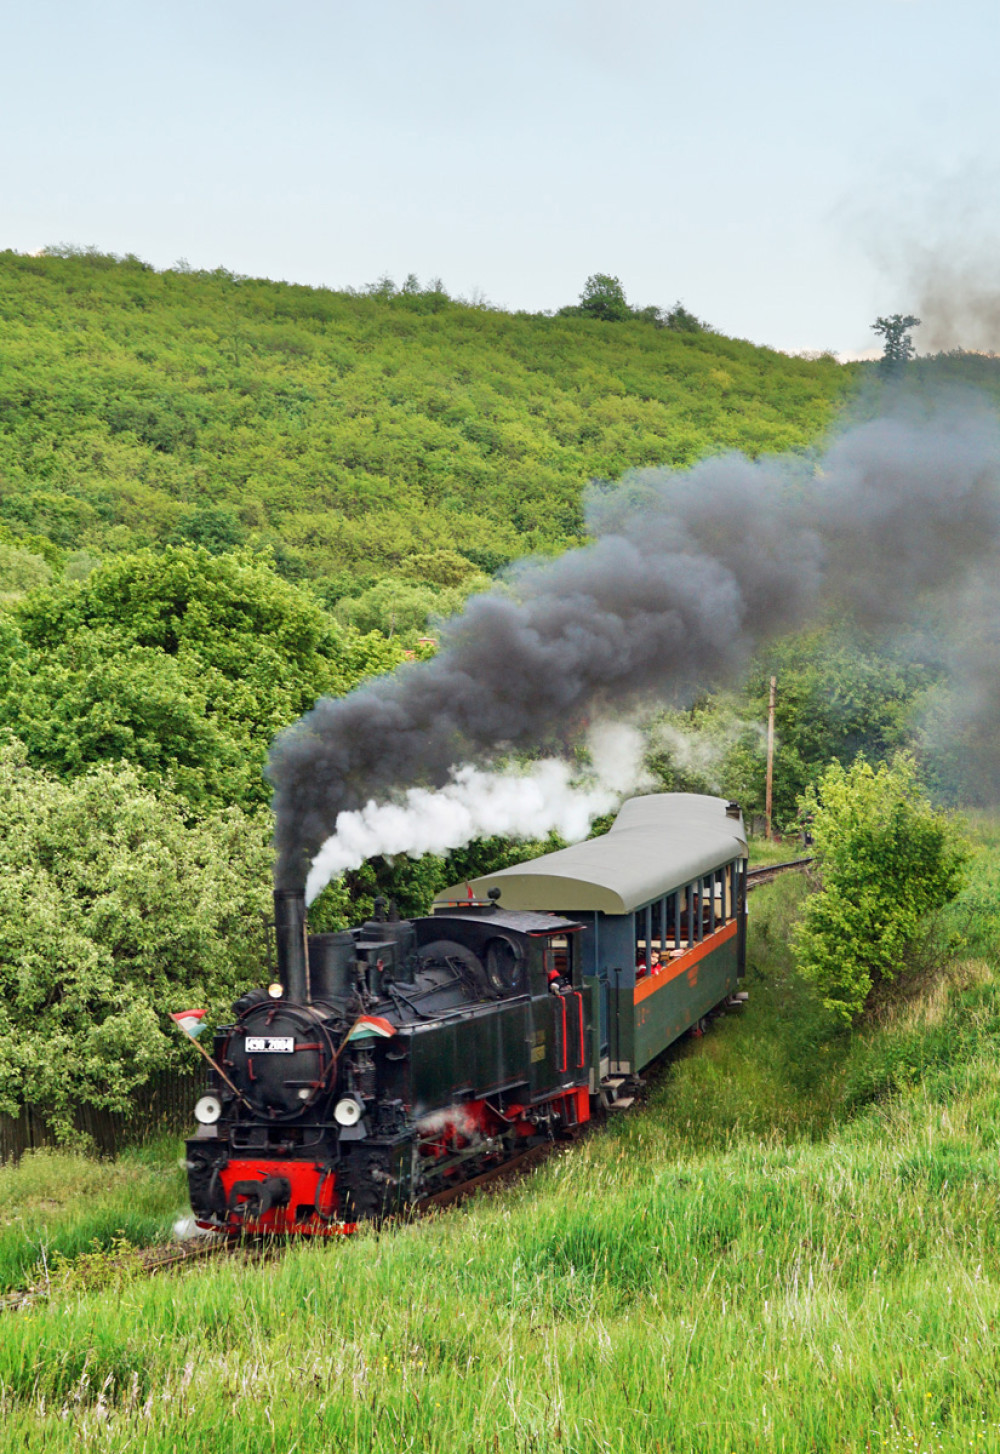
x=270 y=1044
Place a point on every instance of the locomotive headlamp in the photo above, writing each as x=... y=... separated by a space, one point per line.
x=276 y=990
x=348 y=1111
x=208 y=1110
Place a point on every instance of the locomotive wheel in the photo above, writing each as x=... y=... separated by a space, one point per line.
x=367 y=1187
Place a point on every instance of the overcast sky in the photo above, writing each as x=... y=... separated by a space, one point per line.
x=780 y=166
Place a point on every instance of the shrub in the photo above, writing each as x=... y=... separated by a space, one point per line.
x=887 y=861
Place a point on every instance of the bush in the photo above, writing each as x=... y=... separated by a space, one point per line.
x=20 y=570
x=887 y=861
x=115 y=909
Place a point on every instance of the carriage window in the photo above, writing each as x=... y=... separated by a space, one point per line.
x=557 y=956
x=677 y=922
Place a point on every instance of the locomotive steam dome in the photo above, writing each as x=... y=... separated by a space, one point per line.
x=279 y=1055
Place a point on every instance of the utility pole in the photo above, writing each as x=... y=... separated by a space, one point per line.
x=770 y=759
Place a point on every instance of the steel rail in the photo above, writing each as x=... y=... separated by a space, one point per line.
x=757 y=877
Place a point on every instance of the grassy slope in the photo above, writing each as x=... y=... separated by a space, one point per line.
x=349 y=432
x=741 y=1265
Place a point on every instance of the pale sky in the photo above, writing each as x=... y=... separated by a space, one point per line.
x=777 y=165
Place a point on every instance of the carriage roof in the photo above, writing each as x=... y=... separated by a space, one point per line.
x=656 y=844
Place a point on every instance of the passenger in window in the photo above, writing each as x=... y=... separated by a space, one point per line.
x=641 y=967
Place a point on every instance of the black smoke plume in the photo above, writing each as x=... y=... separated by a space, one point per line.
x=685 y=576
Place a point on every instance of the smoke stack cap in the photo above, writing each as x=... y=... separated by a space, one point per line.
x=494 y=895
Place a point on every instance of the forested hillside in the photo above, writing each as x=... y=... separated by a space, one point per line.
x=355 y=435
x=221 y=498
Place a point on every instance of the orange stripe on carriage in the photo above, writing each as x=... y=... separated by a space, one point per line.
x=649 y=985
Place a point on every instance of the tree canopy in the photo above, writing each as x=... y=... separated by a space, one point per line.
x=604 y=297
x=898 y=346
x=349 y=433
x=182 y=662
x=115 y=909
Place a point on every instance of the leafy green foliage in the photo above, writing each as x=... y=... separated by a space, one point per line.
x=837 y=696
x=349 y=432
x=182 y=662
x=897 y=344
x=682 y=320
x=413 y=883
x=114 y=910
x=604 y=297
x=887 y=861
x=402 y=608
x=21 y=570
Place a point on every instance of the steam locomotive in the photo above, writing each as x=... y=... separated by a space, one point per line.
x=390 y=1061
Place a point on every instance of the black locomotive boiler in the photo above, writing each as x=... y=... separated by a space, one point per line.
x=390 y=1061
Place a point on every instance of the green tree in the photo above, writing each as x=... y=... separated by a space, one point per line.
x=115 y=909
x=887 y=861
x=838 y=696
x=412 y=883
x=898 y=346
x=21 y=570
x=604 y=297
x=400 y=608
x=681 y=320
x=182 y=662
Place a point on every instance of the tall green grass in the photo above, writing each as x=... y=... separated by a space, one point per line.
x=808 y=1296
x=55 y=1205
x=794 y=1245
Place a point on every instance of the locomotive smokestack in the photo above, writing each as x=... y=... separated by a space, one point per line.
x=293 y=955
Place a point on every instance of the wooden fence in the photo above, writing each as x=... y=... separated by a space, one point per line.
x=164 y=1104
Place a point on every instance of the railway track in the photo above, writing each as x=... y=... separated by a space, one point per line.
x=758 y=877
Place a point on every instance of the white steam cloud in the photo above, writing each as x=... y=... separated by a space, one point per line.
x=700 y=752
x=547 y=796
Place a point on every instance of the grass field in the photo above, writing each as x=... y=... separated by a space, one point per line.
x=57 y=1205
x=794 y=1245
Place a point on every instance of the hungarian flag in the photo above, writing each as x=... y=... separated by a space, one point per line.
x=190 y=1021
x=372 y=1025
